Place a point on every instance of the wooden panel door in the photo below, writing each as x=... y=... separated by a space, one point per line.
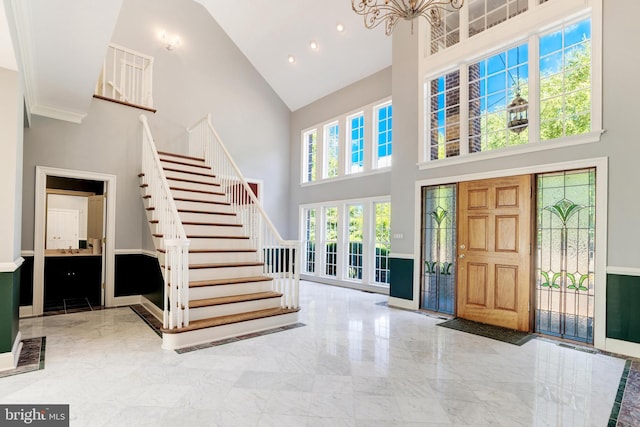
x=494 y=251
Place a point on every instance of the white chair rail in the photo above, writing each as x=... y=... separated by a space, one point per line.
x=281 y=257
x=170 y=233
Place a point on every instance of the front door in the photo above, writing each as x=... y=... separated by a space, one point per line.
x=494 y=251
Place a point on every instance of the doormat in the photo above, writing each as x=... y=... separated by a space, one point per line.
x=31 y=357
x=488 y=331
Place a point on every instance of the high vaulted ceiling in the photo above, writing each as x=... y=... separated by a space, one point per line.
x=267 y=32
x=61 y=45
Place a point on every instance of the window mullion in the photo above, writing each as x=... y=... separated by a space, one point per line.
x=320 y=153
x=342 y=142
x=369 y=148
x=340 y=241
x=367 y=253
x=464 y=23
x=464 y=110
x=533 y=4
x=534 y=89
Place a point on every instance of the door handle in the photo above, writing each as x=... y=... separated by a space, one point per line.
x=461 y=256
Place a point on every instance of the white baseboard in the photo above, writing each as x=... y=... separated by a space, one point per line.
x=377 y=289
x=403 y=303
x=625 y=348
x=152 y=308
x=26 y=311
x=9 y=360
x=128 y=300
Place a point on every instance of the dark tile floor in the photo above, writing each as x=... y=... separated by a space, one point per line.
x=31 y=357
x=629 y=409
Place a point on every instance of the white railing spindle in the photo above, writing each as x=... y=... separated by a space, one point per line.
x=173 y=238
x=281 y=257
x=126 y=76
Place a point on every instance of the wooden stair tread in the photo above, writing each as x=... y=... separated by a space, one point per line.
x=166 y=153
x=233 y=318
x=208 y=302
x=189 y=172
x=177 y=162
x=206 y=212
x=193 y=181
x=212 y=224
x=218 y=282
x=217 y=193
x=199 y=236
x=184 y=199
x=205 y=251
x=226 y=264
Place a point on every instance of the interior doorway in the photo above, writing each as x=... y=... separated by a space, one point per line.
x=87 y=266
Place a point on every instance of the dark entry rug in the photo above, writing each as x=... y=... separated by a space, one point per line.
x=31 y=357
x=489 y=331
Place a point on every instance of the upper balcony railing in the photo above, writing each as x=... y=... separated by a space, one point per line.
x=126 y=77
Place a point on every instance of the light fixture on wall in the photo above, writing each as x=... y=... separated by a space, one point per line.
x=390 y=12
x=169 y=42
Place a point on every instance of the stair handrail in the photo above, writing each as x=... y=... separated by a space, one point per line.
x=170 y=229
x=286 y=282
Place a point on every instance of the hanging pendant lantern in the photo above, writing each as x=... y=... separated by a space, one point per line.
x=518 y=111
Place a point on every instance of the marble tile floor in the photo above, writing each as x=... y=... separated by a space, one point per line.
x=355 y=363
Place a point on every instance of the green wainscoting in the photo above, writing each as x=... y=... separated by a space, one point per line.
x=401 y=285
x=623 y=307
x=9 y=309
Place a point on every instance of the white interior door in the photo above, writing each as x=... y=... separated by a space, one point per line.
x=63 y=228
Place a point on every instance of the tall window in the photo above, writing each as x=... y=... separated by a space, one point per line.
x=565 y=81
x=384 y=134
x=332 y=147
x=356 y=223
x=356 y=143
x=331 y=241
x=383 y=241
x=310 y=149
x=444 y=118
x=309 y=242
x=484 y=14
x=494 y=83
x=447 y=33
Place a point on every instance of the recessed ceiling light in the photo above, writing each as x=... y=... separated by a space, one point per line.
x=340 y=27
x=291 y=59
x=313 y=44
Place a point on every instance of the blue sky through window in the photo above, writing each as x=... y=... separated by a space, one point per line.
x=385 y=133
x=357 y=143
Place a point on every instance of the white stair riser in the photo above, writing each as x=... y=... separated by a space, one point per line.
x=208 y=217
x=218 y=291
x=218 y=257
x=198 y=206
x=212 y=230
x=186 y=168
x=217 y=243
x=234 y=308
x=205 y=197
x=201 y=336
x=191 y=176
x=223 y=272
x=193 y=185
x=198 y=162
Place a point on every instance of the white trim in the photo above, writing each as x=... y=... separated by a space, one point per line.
x=624 y=271
x=126 y=300
x=26 y=311
x=403 y=303
x=57 y=113
x=531 y=147
x=27 y=252
x=9 y=360
x=601 y=165
x=347 y=176
x=152 y=308
x=622 y=347
x=39 y=231
x=368 y=287
x=401 y=256
x=10 y=267
x=146 y=252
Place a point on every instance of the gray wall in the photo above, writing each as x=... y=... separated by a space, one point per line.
x=206 y=74
x=359 y=94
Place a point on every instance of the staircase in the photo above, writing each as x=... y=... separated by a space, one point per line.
x=226 y=272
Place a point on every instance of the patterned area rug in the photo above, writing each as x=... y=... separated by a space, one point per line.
x=489 y=331
x=31 y=357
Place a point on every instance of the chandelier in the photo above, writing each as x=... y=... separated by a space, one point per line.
x=376 y=12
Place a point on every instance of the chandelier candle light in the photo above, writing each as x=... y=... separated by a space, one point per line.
x=376 y=12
